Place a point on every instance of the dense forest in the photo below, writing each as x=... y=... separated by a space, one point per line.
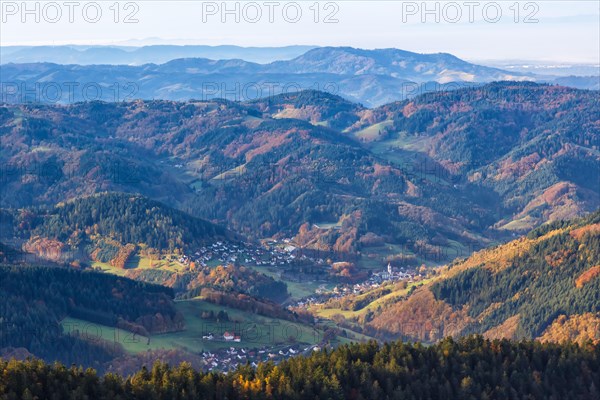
x=538 y=285
x=127 y=219
x=34 y=300
x=311 y=105
x=470 y=368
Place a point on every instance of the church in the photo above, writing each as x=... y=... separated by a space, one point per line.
x=389 y=273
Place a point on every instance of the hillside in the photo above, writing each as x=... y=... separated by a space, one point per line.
x=132 y=236
x=35 y=299
x=116 y=324
x=127 y=219
x=235 y=165
x=536 y=146
x=107 y=226
x=543 y=286
x=318 y=108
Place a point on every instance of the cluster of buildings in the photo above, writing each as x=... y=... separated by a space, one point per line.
x=227 y=337
x=379 y=277
x=375 y=280
x=220 y=252
x=389 y=274
x=273 y=254
x=228 y=359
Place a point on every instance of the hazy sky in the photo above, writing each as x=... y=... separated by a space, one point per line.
x=475 y=30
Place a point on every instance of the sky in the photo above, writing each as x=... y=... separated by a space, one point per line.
x=564 y=31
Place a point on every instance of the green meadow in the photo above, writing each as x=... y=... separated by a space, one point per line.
x=255 y=331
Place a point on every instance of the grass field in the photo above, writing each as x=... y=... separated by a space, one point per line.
x=328 y=225
x=140 y=262
x=255 y=330
x=94 y=332
x=400 y=151
x=374 y=257
x=522 y=224
x=106 y=267
x=372 y=132
x=232 y=173
x=400 y=141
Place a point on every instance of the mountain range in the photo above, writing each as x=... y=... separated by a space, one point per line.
x=450 y=170
x=370 y=77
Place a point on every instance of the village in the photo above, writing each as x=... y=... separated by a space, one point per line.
x=228 y=359
x=285 y=256
x=271 y=253
x=234 y=346
x=374 y=281
x=239 y=345
x=292 y=264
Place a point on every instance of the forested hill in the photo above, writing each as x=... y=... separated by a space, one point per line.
x=545 y=285
x=311 y=105
x=470 y=369
x=258 y=174
x=121 y=217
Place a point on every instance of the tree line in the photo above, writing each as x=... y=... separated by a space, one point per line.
x=470 y=368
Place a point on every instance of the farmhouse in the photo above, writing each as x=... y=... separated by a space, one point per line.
x=228 y=336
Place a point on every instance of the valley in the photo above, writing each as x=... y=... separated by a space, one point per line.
x=304 y=221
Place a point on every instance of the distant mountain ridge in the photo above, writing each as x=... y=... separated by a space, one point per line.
x=399 y=64
x=370 y=77
x=134 y=55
